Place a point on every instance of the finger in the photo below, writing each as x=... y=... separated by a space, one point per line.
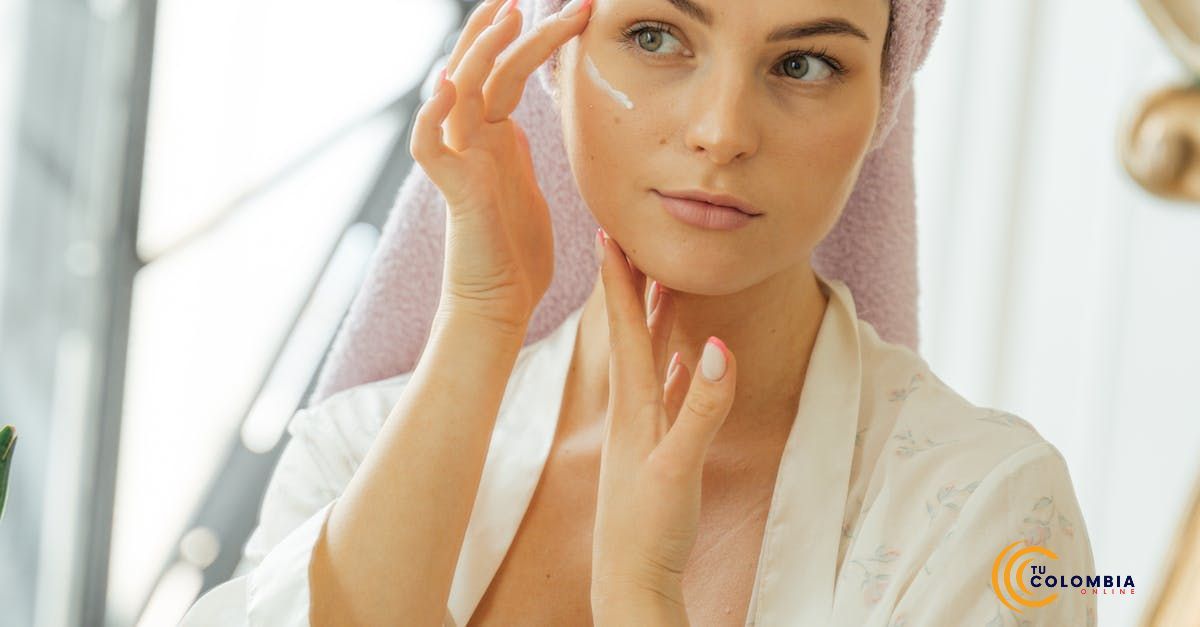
x=662 y=320
x=504 y=87
x=631 y=363
x=480 y=19
x=676 y=386
x=476 y=65
x=704 y=408
x=639 y=284
x=426 y=144
x=638 y=278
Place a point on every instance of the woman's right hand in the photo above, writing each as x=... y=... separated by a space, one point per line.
x=499 y=240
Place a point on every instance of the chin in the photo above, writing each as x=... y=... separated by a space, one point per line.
x=691 y=267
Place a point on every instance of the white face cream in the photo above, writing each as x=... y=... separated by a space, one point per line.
x=594 y=72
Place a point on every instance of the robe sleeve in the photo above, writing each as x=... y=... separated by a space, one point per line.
x=270 y=586
x=1028 y=498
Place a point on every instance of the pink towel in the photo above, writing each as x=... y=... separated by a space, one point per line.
x=872 y=248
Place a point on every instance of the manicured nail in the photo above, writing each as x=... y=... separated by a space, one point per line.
x=599 y=244
x=572 y=8
x=712 y=361
x=654 y=296
x=673 y=365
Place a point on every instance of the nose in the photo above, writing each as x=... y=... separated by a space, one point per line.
x=721 y=125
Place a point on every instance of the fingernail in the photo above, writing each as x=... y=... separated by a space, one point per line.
x=572 y=8
x=599 y=244
x=712 y=361
x=654 y=296
x=673 y=365
x=505 y=9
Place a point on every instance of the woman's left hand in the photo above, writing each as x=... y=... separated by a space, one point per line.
x=657 y=432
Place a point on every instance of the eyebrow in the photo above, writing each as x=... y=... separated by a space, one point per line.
x=822 y=26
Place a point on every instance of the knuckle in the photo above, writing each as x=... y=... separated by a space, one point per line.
x=421 y=151
x=703 y=405
x=639 y=403
x=503 y=63
x=417 y=150
x=647 y=406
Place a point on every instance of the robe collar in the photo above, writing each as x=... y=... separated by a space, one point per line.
x=797 y=564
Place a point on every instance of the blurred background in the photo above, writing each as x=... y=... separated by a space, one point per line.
x=190 y=191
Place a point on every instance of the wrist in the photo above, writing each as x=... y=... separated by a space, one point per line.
x=493 y=325
x=660 y=605
x=463 y=347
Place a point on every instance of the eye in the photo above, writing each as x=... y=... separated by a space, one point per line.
x=798 y=64
x=649 y=38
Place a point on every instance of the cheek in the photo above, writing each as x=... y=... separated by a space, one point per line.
x=608 y=144
x=819 y=162
x=826 y=159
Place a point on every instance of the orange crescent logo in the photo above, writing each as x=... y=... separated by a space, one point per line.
x=1008 y=576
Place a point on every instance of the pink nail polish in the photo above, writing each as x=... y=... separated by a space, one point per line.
x=655 y=296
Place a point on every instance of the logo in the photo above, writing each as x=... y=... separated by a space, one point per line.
x=1006 y=570
x=1022 y=597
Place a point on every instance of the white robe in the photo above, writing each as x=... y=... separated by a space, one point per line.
x=893 y=499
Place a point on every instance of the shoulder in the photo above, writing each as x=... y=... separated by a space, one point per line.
x=932 y=456
x=951 y=484
x=919 y=422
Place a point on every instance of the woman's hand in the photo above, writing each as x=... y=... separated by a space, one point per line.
x=499 y=241
x=657 y=432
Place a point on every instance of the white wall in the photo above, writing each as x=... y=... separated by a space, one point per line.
x=12 y=43
x=1052 y=286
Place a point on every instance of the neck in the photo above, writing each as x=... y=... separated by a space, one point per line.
x=771 y=328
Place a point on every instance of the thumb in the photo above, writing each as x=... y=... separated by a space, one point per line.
x=709 y=398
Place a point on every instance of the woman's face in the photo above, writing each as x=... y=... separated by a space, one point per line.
x=678 y=95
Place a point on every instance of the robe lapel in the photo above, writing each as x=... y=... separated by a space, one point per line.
x=797 y=565
x=520 y=445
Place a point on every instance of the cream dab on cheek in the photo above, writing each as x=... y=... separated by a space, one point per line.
x=594 y=72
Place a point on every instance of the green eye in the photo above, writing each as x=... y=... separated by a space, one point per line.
x=649 y=38
x=797 y=67
x=798 y=63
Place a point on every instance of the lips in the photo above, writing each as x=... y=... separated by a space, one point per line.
x=712 y=198
x=704 y=214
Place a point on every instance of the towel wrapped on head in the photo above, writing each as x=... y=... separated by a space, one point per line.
x=872 y=248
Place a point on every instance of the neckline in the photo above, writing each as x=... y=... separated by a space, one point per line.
x=521 y=439
x=798 y=552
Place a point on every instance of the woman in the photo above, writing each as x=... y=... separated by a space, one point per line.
x=843 y=483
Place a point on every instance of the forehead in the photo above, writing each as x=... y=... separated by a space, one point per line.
x=701 y=9
x=867 y=17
